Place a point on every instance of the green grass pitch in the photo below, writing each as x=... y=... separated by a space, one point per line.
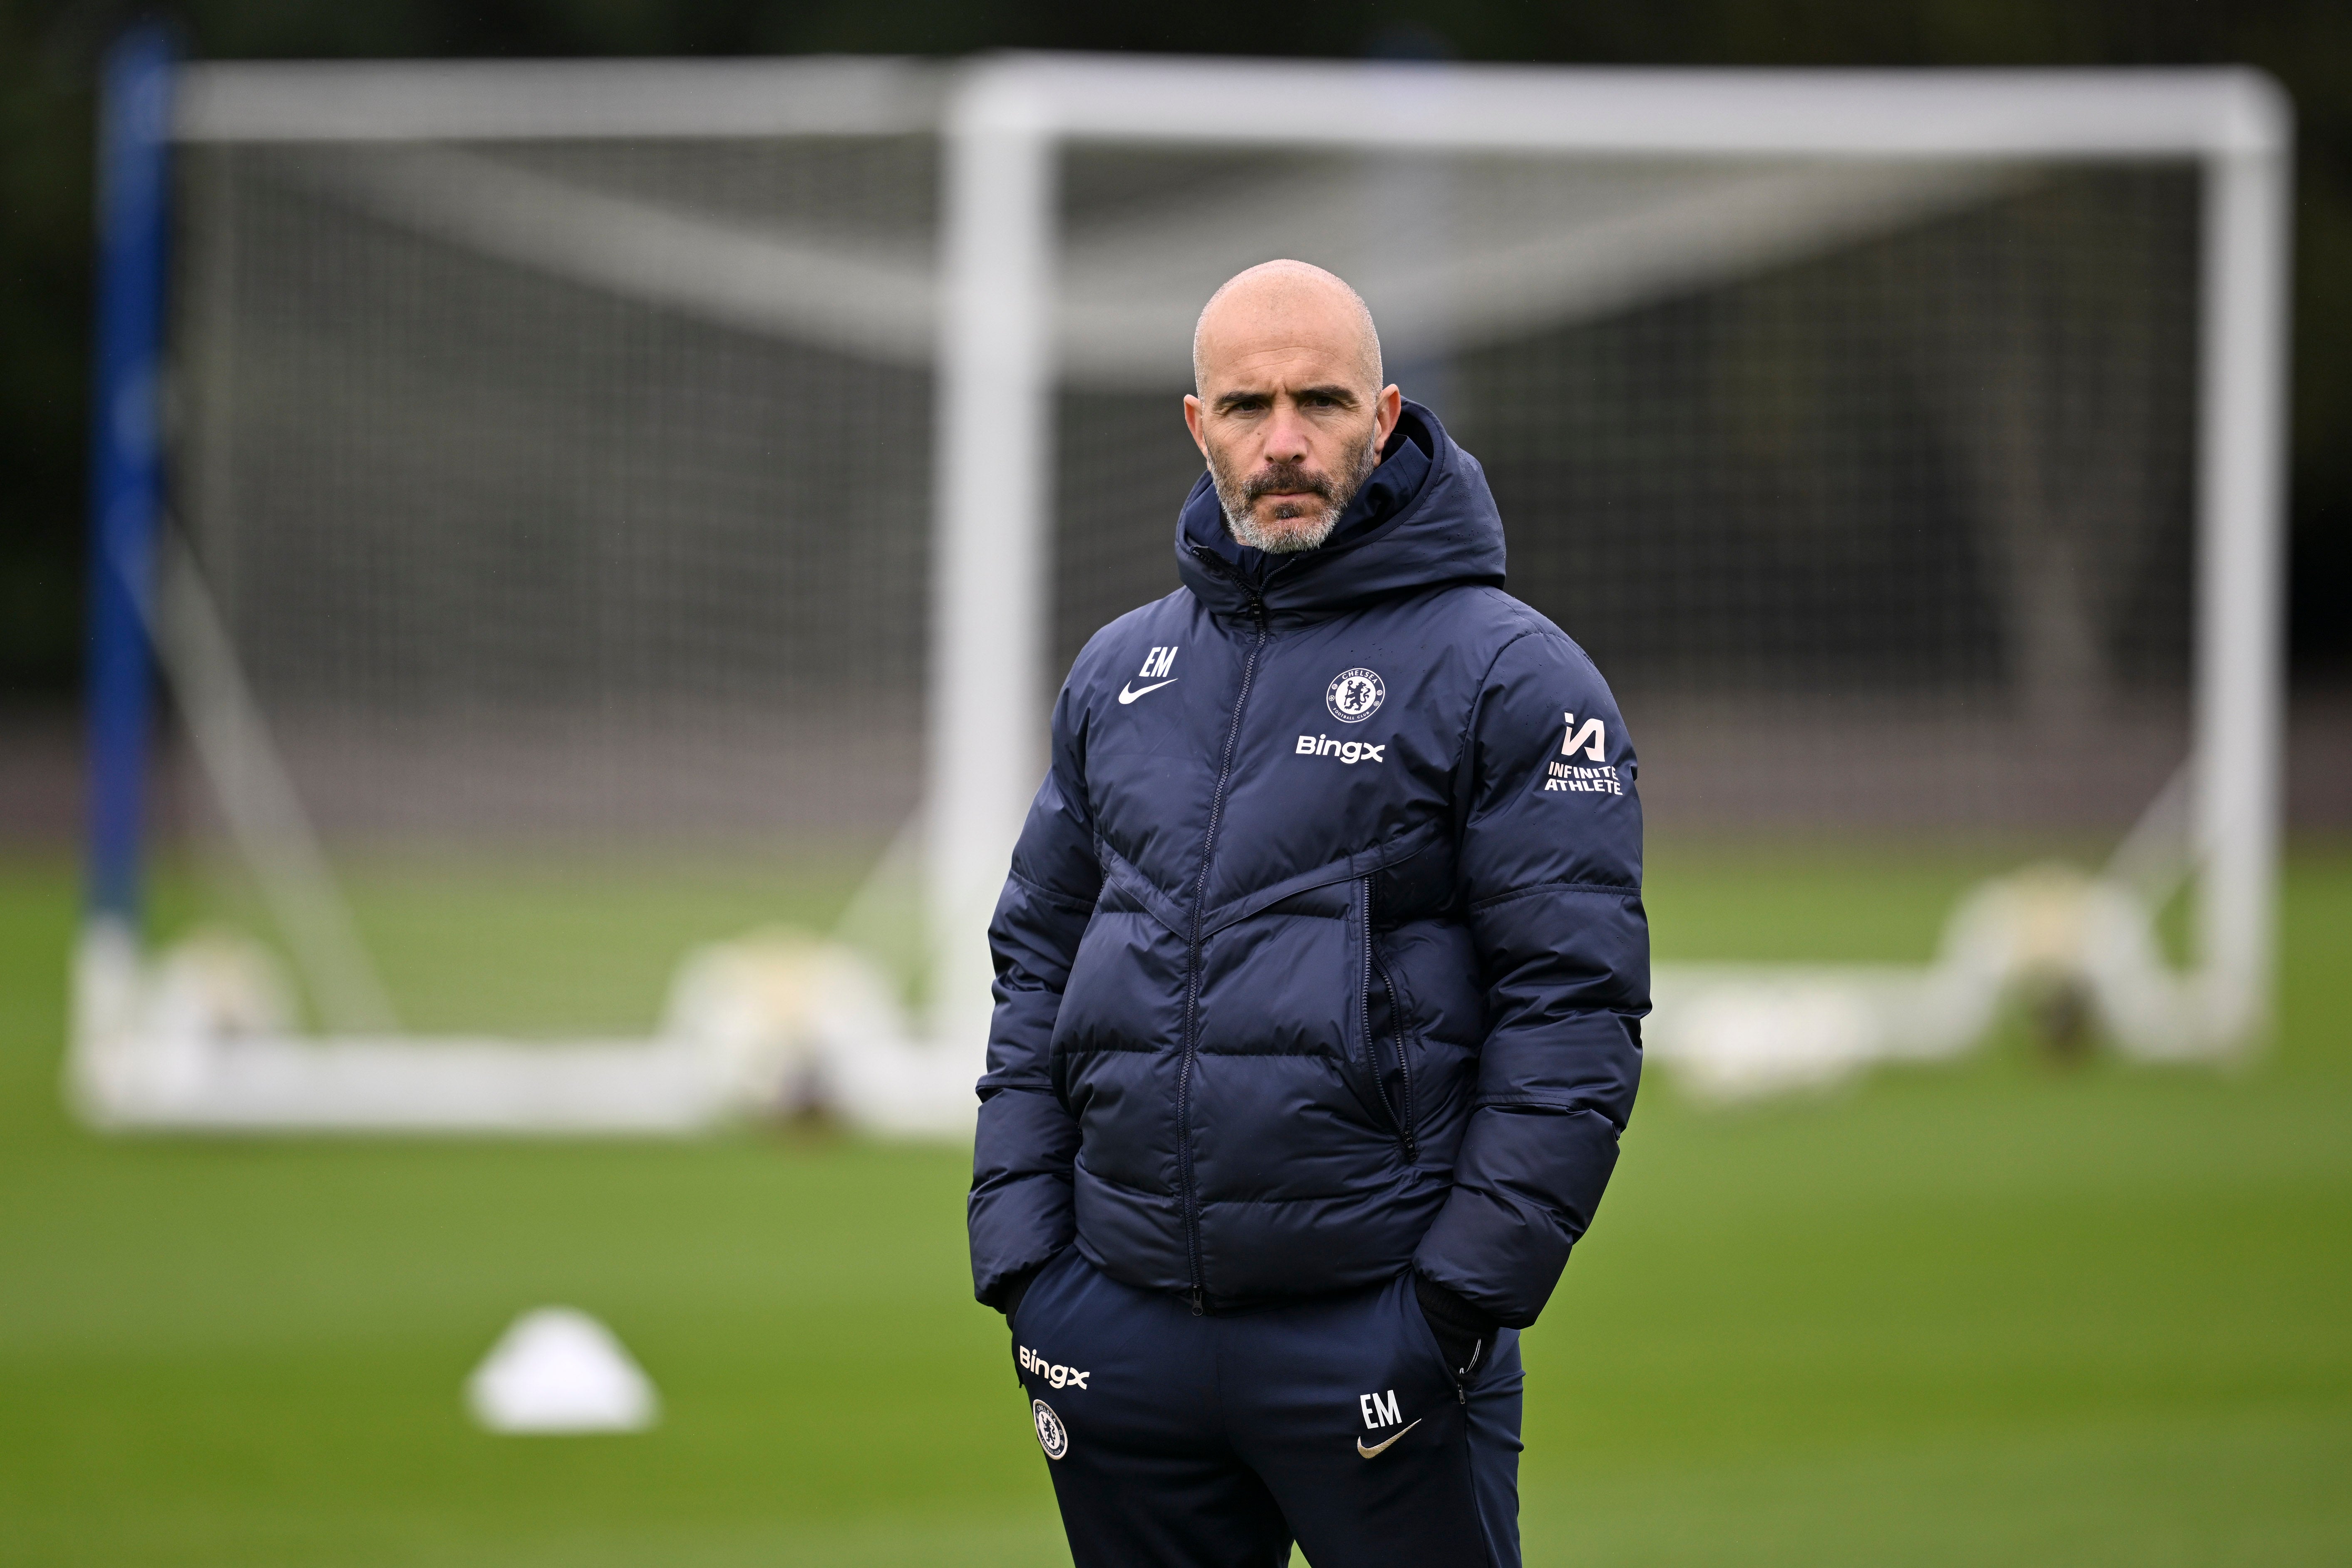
x=2002 y=1313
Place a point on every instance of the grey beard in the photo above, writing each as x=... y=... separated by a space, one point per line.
x=1297 y=535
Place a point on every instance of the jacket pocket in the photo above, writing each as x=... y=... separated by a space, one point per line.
x=1390 y=1070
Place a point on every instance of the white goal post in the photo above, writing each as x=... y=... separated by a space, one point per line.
x=1004 y=313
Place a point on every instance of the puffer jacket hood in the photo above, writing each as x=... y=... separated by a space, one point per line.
x=1423 y=517
x=1322 y=954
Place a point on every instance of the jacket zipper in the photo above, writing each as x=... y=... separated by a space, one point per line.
x=1193 y=955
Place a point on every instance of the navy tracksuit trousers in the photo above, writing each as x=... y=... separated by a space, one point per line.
x=1215 y=1441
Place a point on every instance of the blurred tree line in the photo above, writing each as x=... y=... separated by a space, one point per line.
x=48 y=49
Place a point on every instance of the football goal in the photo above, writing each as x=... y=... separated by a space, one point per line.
x=609 y=534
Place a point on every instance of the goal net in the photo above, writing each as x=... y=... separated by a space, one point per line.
x=620 y=512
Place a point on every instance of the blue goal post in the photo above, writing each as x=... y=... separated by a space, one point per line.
x=126 y=493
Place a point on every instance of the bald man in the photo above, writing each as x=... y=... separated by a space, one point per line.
x=1319 y=977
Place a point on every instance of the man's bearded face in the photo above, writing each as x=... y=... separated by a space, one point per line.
x=1306 y=504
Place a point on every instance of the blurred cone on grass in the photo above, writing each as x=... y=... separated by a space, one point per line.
x=557 y=1370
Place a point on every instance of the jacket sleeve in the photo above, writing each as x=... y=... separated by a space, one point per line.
x=1020 y=1211
x=1551 y=867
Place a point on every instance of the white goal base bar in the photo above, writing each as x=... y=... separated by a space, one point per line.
x=2086 y=946
x=202 y=1040
x=780 y=1021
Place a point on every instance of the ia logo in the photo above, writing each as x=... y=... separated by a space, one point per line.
x=1594 y=732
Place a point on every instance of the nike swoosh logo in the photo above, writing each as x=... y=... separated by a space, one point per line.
x=1126 y=697
x=1377 y=1449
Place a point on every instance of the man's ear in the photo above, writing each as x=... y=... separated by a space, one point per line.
x=1193 y=422
x=1387 y=406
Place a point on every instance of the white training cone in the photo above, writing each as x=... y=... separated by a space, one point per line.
x=557 y=1370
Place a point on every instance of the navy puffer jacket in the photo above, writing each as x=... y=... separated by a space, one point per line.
x=1323 y=950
